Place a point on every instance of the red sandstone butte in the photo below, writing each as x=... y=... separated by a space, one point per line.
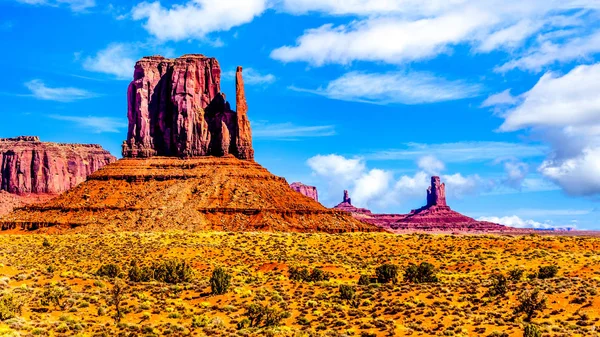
x=309 y=191
x=29 y=166
x=176 y=108
x=435 y=216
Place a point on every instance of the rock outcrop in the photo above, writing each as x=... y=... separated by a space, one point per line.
x=29 y=166
x=175 y=108
x=309 y=191
x=188 y=166
x=364 y=214
x=436 y=216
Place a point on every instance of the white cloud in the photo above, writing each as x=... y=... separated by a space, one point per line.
x=197 y=18
x=548 y=53
x=290 y=131
x=380 y=188
x=96 y=124
x=500 y=99
x=372 y=184
x=462 y=151
x=367 y=7
x=578 y=175
x=557 y=101
x=252 y=77
x=74 y=5
x=346 y=169
x=565 y=111
x=117 y=59
x=395 y=87
x=397 y=32
x=39 y=90
x=515 y=173
x=515 y=221
x=431 y=165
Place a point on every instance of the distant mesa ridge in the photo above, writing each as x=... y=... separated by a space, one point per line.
x=436 y=215
x=188 y=165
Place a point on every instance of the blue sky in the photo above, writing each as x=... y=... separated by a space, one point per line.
x=500 y=98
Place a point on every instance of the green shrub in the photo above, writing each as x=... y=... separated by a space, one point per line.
x=423 y=273
x=110 y=270
x=531 y=331
x=10 y=306
x=170 y=271
x=530 y=303
x=56 y=296
x=498 y=286
x=545 y=272
x=257 y=313
x=219 y=281
x=303 y=274
x=139 y=274
x=387 y=273
x=516 y=274
x=346 y=292
x=364 y=280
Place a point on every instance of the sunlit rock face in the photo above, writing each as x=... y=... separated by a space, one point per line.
x=175 y=108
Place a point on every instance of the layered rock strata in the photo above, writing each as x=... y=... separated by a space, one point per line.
x=309 y=191
x=29 y=166
x=175 y=107
x=203 y=193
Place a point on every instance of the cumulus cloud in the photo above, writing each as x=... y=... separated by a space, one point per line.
x=515 y=173
x=379 y=188
x=40 y=90
x=197 y=18
x=395 y=87
x=424 y=29
x=431 y=165
x=515 y=221
x=564 y=110
x=117 y=59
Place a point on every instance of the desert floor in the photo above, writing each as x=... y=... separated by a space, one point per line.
x=50 y=285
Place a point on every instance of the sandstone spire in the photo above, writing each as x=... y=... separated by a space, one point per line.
x=244 y=136
x=347 y=198
x=436 y=193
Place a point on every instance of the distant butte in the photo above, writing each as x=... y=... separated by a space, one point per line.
x=436 y=215
x=309 y=191
x=32 y=171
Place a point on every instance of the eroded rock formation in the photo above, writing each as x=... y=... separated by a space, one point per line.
x=28 y=165
x=187 y=166
x=436 y=216
x=309 y=191
x=175 y=107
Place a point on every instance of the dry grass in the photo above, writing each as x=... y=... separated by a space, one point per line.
x=54 y=278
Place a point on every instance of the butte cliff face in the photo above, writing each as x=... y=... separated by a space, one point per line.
x=188 y=164
x=309 y=191
x=175 y=107
x=29 y=166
